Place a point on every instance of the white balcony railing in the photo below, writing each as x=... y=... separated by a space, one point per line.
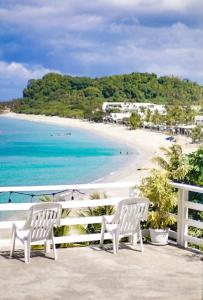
x=124 y=187
x=183 y=220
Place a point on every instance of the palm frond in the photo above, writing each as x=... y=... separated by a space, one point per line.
x=161 y=162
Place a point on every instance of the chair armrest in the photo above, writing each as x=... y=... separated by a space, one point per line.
x=25 y=227
x=107 y=219
x=15 y=227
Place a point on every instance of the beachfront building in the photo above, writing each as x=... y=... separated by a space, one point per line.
x=184 y=129
x=199 y=120
x=133 y=107
x=120 y=111
x=118 y=117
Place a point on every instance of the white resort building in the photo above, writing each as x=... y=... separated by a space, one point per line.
x=118 y=111
x=133 y=107
x=199 y=120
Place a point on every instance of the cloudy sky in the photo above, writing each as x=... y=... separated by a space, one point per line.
x=97 y=38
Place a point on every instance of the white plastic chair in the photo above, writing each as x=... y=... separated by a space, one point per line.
x=39 y=225
x=126 y=221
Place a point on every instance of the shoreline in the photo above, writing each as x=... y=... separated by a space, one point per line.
x=145 y=143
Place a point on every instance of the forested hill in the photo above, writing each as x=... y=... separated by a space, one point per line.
x=70 y=96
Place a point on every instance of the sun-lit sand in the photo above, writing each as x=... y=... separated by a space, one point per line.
x=144 y=143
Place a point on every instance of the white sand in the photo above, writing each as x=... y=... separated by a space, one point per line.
x=145 y=143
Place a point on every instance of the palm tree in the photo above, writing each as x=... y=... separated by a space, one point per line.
x=96 y=211
x=197 y=134
x=156 y=118
x=174 y=162
x=135 y=120
x=148 y=115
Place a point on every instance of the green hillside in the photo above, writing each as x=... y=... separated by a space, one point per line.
x=70 y=96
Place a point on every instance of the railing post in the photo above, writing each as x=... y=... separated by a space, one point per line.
x=182 y=228
x=133 y=192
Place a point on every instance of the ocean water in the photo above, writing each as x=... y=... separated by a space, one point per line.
x=42 y=154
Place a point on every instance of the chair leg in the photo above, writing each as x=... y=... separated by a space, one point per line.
x=141 y=241
x=102 y=236
x=134 y=239
x=27 y=251
x=54 y=248
x=47 y=246
x=115 y=243
x=13 y=240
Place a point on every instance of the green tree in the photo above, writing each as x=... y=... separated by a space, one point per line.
x=92 y=92
x=135 y=120
x=195 y=177
x=96 y=116
x=174 y=162
x=148 y=115
x=156 y=118
x=109 y=90
x=195 y=174
x=197 y=134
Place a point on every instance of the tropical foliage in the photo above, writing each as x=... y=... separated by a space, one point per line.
x=174 y=162
x=96 y=211
x=82 y=97
x=195 y=174
x=197 y=134
x=177 y=114
x=158 y=189
x=189 y=171
x=135 y=120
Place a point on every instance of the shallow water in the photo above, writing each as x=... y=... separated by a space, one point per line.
x=42 y=154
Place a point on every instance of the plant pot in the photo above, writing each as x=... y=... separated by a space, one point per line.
x=159 y=236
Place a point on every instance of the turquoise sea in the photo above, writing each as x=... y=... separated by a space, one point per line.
x=41 y=154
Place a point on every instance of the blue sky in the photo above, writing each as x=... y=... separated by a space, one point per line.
x=98 y=37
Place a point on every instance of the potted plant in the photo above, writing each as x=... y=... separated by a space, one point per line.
x=157 y=188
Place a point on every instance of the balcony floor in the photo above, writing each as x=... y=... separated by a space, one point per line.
x=164 y=272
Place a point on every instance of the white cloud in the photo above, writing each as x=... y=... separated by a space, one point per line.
x=82 y=15
x=176 y=50
x=149 y=6
x=99 y=37
x=14 y=77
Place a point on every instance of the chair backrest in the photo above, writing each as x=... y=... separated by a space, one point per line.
x=129 y=213
x=41 y=219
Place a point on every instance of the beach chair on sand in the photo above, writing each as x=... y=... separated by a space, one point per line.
x=38 y=227
x=126 y=221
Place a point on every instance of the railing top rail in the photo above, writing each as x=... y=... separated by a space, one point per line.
x=65 y=204
x=87 y=186
x=187 y=187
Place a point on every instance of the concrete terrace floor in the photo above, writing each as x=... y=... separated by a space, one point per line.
x=164 y=272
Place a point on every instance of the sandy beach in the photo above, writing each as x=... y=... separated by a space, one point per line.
x=145 y=143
